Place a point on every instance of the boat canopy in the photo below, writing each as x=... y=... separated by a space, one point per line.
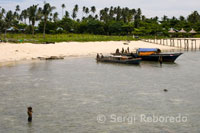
x=148 y=50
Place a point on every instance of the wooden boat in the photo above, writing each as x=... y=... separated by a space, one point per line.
x=118 y=59
x=152 y=54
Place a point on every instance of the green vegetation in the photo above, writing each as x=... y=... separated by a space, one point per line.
x=40 y=24
x=38 y=38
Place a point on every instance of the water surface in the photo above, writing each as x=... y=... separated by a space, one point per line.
x=68 y=95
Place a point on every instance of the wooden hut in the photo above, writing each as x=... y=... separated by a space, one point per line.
x=171 y=32
x=182 y=32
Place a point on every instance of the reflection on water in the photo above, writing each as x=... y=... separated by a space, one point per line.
x=68 y=95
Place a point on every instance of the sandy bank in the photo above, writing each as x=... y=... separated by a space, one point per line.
x=26 y=51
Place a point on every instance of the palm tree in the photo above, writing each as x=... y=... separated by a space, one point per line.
x=118 y=12
x=8 y=21
x=75 y=10
x=131 y=14
x=93 y=10
x=55 y=17
x=17 y=8
x=2 y=20
x=137 y=17
x=2 y=13
x=74 y=14
x=66 y=14
x=104 y=15
x=16 y=14
x=83 y=11
x=33 y=15
x=86 y=10
x=46 y=11
x=164 y=18
x=111 y=13
x=96 y=16
x=63 y=6
x=194 y=17
x=23 y=16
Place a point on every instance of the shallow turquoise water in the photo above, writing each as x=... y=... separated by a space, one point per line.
x=69 y=95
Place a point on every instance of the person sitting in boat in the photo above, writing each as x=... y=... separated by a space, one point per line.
x=98 y=56
x=128 y=49
x=122 y=50
x=101 y=55
x=117 y=51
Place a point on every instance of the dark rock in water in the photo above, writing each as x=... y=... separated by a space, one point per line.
x=55 y=58
x=165 y=90
x=41 y=58
x=51 y=58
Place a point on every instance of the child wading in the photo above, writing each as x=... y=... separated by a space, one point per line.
x=29 y=112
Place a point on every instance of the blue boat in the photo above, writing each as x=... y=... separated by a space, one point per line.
x=152 y=54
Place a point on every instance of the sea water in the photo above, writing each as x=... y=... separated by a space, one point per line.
x=79 y=95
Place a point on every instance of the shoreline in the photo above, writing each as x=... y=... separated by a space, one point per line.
x=11 y=52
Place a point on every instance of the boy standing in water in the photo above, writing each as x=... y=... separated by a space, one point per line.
x=29 y=112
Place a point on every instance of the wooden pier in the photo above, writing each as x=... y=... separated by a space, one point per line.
x=182 y=43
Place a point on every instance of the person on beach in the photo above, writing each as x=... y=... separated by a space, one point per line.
x=29 y=112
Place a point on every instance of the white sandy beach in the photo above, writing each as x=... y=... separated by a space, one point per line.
x=26 y=51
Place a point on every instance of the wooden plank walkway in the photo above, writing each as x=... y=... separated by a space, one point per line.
x=182 y=43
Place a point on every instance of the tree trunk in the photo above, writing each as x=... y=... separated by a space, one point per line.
x=5 y=34
x=44 y=28
x=33 y=30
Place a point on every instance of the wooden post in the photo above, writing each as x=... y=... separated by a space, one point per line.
x=170 y=41
x=195 y=44
x=191 y=44
x=185 y=44
x=177 y=42
x=180 y=43
x=167 y=42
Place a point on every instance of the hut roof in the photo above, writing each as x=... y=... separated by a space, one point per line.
x=59 y=28
x=11 y=29
x=193 y=31
x=171 y=30
x=182 y=31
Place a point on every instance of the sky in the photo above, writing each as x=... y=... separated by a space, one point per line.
x=150 y=8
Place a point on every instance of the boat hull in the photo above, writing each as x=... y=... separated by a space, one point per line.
x=132 y=61
x=171 y=57
x=165 y=57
